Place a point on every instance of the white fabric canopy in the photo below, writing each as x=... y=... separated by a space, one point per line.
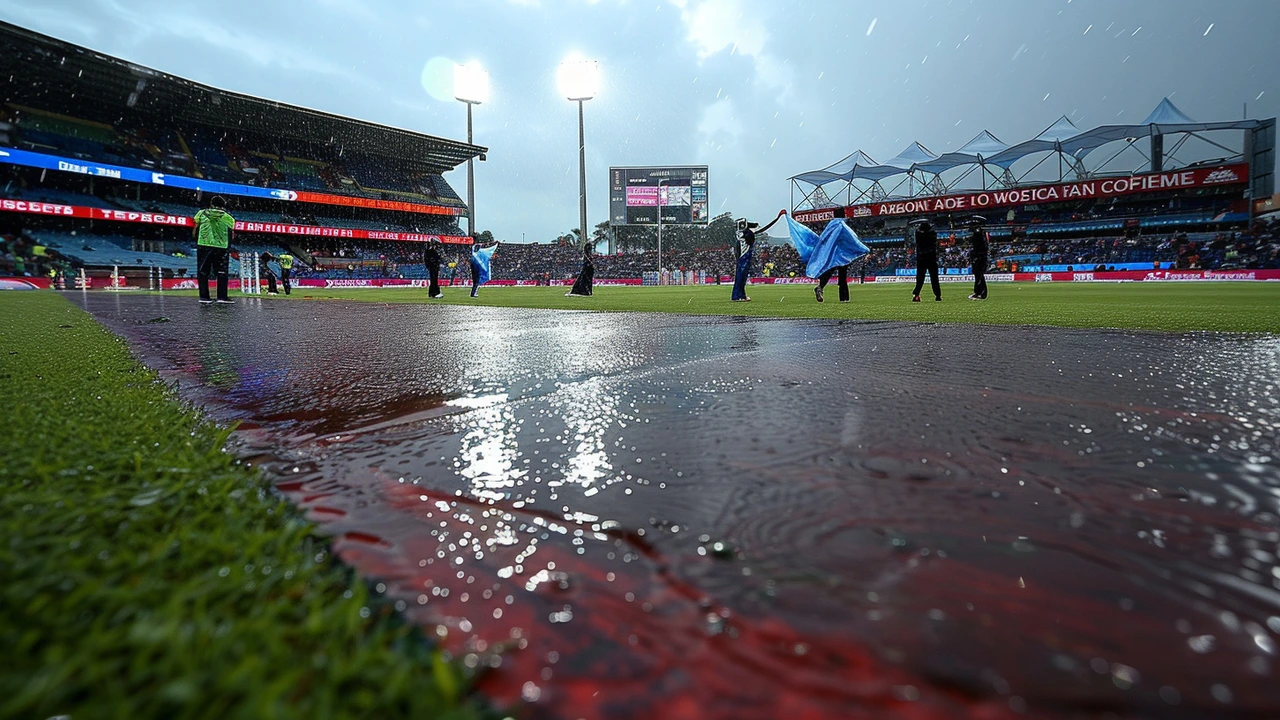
x=986 y=148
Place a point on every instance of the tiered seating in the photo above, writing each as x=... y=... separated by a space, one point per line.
x=299 y=174
x=213 y=160
x=443 y=191
x=109 y=250
x=377 y=177
x=61 y=197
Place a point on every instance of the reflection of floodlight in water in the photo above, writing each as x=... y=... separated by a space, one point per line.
x=471 y=86
x=579 y=80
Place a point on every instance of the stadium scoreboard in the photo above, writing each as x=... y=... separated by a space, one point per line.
x=637 y=193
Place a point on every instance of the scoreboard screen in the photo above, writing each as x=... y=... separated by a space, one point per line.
x=636 y=194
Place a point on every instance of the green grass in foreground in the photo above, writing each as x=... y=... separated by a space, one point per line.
x=1222 y=306
x=143 y=574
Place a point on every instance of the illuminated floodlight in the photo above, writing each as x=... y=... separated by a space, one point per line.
x=578 y=79
x=470 y=83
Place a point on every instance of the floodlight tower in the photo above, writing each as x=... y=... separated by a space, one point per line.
x=660 y=231
x=471 y=86
x=579 y=81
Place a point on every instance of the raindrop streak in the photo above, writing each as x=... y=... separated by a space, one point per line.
x=1206 y=31
x=872 y=26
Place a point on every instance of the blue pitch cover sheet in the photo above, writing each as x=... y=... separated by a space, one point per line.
x=838 y=245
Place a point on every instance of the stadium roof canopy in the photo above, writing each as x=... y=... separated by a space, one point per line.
x=986 y=149
x=47 y=72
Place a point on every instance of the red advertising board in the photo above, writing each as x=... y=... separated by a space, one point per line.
x=92 y=213
x=1084 y=189
x=349 y=201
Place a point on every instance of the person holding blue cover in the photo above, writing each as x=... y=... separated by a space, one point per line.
x=829 y=253
x=745 y=244
x=480 y=260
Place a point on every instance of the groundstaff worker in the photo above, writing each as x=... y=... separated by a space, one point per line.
x=582 y=287
x=978 y=257
x=286 y=266
x=213 y=234
x=431 y=258
x=746 y=242
x=926 y=260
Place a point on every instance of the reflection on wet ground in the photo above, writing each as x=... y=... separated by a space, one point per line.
x=680 y=517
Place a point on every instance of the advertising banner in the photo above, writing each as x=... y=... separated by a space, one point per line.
x=92 y=213
x=1087 y=189
x=25 y=158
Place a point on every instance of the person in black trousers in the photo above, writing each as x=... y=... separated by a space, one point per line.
x=586 y=279
x=267 y=272
x=431 y=258
x=978 y=255
x=842 y=274
x=213 y=232
x=926 y=260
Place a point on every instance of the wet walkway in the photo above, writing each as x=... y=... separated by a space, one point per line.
x=682 y=517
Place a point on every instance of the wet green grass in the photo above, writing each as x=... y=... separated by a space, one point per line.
x=1219 y=306
x=144 y=574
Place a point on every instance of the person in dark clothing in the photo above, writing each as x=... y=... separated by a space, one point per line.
x=842 y=274
x=431 y=258
x=926 y=260
x=268 y=273
x=978 y=257
x=583 y=285
x=746 y=242
x=862 y=272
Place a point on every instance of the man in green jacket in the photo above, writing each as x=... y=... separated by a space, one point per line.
x=286 y=268
x=213 y=234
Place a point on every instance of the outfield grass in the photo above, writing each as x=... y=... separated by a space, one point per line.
x=145 y=574
x=1221 y=306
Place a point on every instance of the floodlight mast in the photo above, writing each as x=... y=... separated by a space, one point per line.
x=579 y=81
x=470 y=86
x=660 y=231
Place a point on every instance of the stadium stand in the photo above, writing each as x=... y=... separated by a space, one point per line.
x=88 y=125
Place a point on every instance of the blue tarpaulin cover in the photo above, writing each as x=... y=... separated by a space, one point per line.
x=837 y=245
x=480 y=258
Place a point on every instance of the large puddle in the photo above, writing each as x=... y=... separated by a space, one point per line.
x=681 y=517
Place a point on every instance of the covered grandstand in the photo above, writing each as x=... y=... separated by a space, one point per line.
x=105 y=160
x=1167 y=190
x=1058 y=154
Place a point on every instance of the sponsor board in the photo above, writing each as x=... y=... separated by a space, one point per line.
x=1083 y=277
x=23 y=283
x=912 y=278
x=1081 y=190
x=131 y=216
x=26 y=158
x=1151 y=276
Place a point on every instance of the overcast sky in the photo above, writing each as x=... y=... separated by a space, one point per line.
x=758 y=90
